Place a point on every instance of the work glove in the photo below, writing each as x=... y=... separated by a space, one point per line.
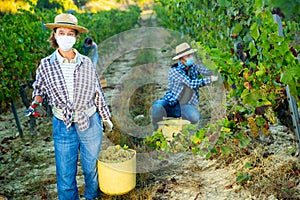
x=214 y=78
x=107 y=125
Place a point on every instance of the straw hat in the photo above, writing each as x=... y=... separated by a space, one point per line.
x=183 y=50
x=66 y=21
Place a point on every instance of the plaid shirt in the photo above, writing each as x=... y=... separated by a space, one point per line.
x=178 y=77
x=88 y=92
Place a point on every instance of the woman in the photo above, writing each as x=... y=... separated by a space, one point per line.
x=70 y=83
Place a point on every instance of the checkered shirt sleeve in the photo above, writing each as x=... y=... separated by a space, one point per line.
x=39 y=85
x=203 y=70
x=101 y=102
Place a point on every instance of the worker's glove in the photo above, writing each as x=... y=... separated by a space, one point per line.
x=31 y=110
x=214 y=78
x=107 y=125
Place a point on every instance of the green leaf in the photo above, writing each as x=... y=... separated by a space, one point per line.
x=252 y=98
x=289 y=57
x=214 y=150
x=189 y=127
x=164 y=146
x=158 y=143
x=275 y=38
x=265 y=102
x=253 y=50
x=226 y=150
x=229 y=123
x=237 y=28
x=223 y=3
x=248 y=165
x=208 y=155
x=195 y=140
x=254 y=31
x=260 y=73
x=260 y=121
x=243 y=140
x=287 y=77
x=258 y=4
x=242 y=177
x=200 y=134
x=230 y=81
x=247 y=39
x=220 y=140
x=224 y=129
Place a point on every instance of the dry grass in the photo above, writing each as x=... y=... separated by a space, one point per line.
x=271 y=174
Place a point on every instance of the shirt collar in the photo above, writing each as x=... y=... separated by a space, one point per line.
x=181 y=65
x=65 y=60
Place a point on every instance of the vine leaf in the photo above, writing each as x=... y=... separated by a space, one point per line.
x=226 y=149
x=243 y=140
x=254 y=31
x=223 y=3
x=253 y=50
x=237 y=29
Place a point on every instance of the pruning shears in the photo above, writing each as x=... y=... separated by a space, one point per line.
x=31 y=110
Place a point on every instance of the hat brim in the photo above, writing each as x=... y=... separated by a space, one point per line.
x=184 y=54
x=75 y=27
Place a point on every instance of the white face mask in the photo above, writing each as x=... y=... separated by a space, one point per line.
x=65 y=42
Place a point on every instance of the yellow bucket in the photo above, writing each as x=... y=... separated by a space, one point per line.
x=2 y=197
x=169 y=127
x=117 y=178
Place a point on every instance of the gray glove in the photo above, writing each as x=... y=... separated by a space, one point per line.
x=108 y=125
x=214 y=78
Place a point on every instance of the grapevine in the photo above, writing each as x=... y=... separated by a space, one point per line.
x=242 y=41
x=253 y=126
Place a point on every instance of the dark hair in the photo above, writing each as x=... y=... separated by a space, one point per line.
x=88 y=40
x=52 y=39
x=277 y=11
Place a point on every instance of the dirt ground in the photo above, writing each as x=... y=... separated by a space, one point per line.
x=28 y=168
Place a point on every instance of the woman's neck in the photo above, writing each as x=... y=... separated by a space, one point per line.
x=67 y=54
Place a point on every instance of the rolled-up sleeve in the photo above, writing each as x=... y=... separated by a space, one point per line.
x=191 y=83
x=203 y=70
x=101 y=103
x=39 y=84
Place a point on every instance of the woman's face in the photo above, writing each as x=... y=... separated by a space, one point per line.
x=65 y=32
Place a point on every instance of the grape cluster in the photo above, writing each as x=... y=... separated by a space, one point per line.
x=116 y=154
x=270 y=115
x=253 y=126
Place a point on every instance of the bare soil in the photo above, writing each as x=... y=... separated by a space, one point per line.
x=27 y=169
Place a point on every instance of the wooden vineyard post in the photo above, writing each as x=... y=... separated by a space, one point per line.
x=294 y=114
x=13 y=107
x=292 y=102
x=27 y=104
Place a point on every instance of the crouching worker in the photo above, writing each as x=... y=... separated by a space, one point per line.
x=182 y=97
x=91 y=50
x=69 y=82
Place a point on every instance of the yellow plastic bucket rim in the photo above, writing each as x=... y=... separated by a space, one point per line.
x=174 y=122
x=109 y=164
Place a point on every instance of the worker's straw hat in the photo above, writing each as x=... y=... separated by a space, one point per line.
x=66 y=21
x=183 y=50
